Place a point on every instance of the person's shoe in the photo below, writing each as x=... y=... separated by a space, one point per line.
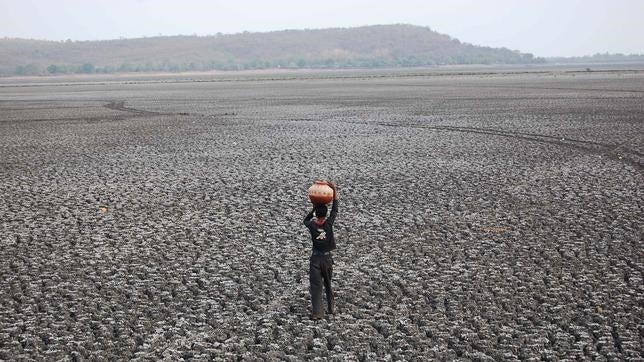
x=316 y=317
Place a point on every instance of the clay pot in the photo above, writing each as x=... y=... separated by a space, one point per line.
x=320 y=193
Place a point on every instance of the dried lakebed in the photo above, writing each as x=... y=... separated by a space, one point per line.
x=483 y=217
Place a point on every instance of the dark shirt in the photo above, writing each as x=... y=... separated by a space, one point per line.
x=322 y=234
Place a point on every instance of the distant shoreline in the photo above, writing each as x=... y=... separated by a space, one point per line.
x=315 y=74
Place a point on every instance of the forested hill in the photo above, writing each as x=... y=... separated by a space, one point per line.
x=368 y=46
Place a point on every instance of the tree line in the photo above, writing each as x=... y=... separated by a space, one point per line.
x=321 y=63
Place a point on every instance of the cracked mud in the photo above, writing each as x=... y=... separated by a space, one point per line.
x=483 y=217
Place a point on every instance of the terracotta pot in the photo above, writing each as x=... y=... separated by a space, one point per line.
x=320 y=193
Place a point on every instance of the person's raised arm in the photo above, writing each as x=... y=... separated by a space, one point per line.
x=334 y=205
x=308 y=217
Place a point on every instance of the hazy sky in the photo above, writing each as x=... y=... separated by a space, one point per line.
x=541 y=27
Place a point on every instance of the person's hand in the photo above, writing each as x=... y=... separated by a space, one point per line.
x=333 y=187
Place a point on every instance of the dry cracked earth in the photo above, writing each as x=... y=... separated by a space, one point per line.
x=483 y=217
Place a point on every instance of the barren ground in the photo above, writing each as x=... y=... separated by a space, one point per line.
x=482 y=217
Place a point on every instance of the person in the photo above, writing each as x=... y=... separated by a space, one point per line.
x=321 y=261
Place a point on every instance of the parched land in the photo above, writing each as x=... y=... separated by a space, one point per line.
x=489 y=216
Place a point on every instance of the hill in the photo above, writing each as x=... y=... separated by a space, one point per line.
x=368 y=46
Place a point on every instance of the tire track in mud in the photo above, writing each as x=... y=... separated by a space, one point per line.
x=88 y=120
x=560 y=139
x=604 y=149
x=569 y=89
x=115 y=105
x=601 y=149
x=119 y=105
x=529 y=88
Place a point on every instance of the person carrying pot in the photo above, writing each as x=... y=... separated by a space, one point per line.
x=321 y=261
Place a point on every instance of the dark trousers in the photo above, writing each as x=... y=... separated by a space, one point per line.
x=320 y=271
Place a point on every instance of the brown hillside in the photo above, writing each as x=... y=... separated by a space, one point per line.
x=368 y=46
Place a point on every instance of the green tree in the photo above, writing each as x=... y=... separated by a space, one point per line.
x=87 y=68
x=29 y=69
